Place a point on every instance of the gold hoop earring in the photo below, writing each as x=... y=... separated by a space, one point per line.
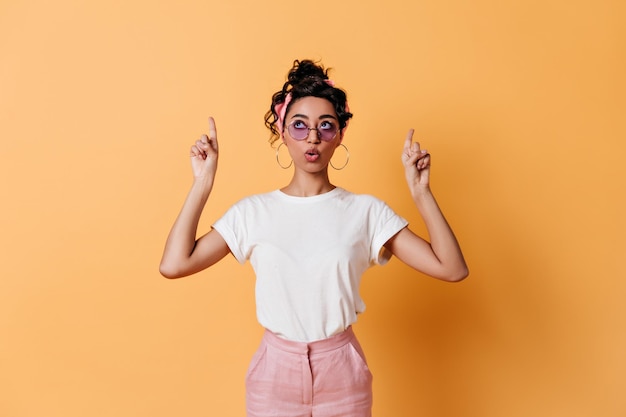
x=347 y=158
x=278 y=159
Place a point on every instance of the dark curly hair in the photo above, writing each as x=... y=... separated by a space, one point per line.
x=307 y=79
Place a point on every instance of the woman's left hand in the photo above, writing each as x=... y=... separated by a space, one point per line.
x=416 y=163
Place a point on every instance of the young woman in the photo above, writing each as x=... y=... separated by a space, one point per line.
x=309 y=243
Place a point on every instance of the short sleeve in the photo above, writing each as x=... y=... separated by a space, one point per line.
x=231 y=226
x=385 y=224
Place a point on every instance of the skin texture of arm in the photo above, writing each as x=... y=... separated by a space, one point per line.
x=441 y=257
x=183 y=254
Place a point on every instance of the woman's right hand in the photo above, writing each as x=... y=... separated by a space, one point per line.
x=184 y=254
x=204 y=154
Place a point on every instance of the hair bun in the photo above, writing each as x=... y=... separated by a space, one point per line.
x=308 y=72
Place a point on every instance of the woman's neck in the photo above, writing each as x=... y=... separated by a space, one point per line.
x=308 y=185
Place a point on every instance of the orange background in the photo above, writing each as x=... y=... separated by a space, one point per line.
x=518 y=102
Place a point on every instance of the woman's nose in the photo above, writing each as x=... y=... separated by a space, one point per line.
x=314 y=135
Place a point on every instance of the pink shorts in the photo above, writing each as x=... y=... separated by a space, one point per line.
x=325 y=378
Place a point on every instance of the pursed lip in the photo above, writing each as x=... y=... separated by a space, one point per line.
x=312 y=155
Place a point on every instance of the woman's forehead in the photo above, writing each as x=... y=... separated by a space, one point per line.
x=312 y=106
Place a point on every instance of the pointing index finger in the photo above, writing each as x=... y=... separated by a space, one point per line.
x=409 y=139
x=212 y=129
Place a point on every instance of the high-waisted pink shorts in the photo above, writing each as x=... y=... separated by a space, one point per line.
x=324 y=378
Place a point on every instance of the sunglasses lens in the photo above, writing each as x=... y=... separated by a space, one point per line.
x=328 y=134
x=298 y=131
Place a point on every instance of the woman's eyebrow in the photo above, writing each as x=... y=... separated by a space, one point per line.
x=323 y=116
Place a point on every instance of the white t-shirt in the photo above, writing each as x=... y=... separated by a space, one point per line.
x=308 y=254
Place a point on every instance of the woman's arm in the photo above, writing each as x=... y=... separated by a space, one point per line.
x=441 y=257
x=183 y=254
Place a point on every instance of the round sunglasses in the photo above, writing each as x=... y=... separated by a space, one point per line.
x=299 y=130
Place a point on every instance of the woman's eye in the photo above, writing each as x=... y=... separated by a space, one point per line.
x=326 y=125
x=299 y=124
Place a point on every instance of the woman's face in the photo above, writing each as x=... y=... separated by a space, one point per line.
x=316 y=118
